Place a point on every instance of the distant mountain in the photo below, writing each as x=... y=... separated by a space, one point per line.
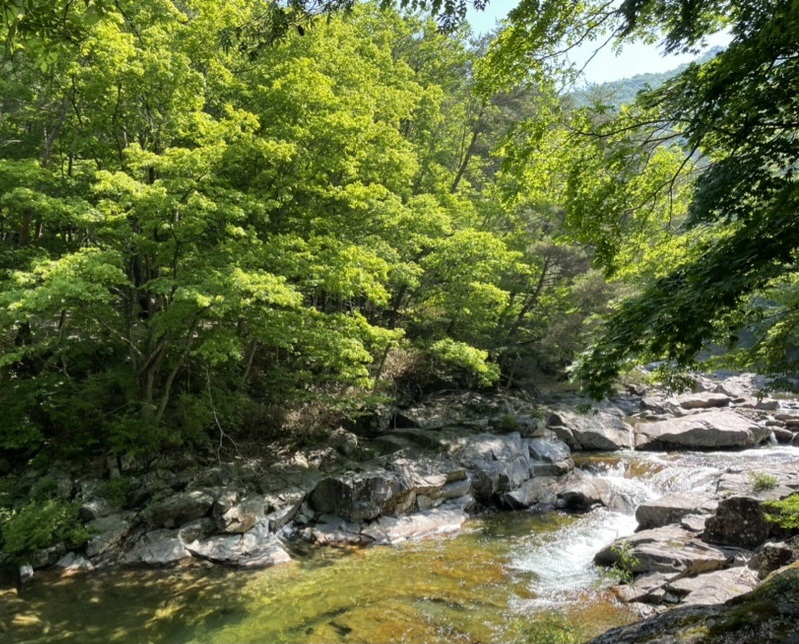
x=623 y=91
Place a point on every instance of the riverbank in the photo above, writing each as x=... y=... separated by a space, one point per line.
x=418 y=473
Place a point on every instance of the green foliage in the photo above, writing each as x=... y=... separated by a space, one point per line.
x=626 y=562
x=784 y=513
x=39 y=525
x=761 y=481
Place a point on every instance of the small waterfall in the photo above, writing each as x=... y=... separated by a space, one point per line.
x=562 y=563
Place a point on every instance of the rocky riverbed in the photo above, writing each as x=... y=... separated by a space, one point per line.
x=417 y=472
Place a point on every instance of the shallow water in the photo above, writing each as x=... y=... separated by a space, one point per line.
x=509 y=577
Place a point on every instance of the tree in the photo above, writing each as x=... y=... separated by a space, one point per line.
x=734 y=121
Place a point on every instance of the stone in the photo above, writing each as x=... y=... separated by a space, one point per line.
x=242 y=516
x=25 y=573
x=539 y=490
x=766 y=614
x=671 y=508
x=346 y=443
x=581 y=493
x=706 y=430
x=107 y=532
x=360 y=497
x=702 y=400
x=442 y=520
x=649 y=588
x=739 y=522
x=74 y=563
x=181 y=508
x=331 y=530
x=771 y=557
x=714 y=587
x=597 y=430
x=668 y=549
x=158 y=547
x=254 y=549
x=550 y=457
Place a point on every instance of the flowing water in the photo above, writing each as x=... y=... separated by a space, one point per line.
x=508 y=577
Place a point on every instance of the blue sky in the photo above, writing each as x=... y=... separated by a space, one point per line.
x=635 y=58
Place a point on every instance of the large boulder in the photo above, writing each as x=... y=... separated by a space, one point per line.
x=427 y=523
x=361 y=496
x=181 y=508
x=596 y=430
x=766 y=614
x=714 y=587
x=738 y=521
x=255 y=549
x=671 y=508
x=706 y=430
x=159 y=547
x=669 y=549
x=107 y=532
x=496 y=464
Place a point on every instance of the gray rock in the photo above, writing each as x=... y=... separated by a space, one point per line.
x=108 y=532
x=332 y=530
x=550 y=457
x=771 y=557
x=714 y=587
x=706 y=430
x=74 y=563
x=442 y=520
x=649 y=588
x=158 y=548
x=539 y=490
x=242 y=516
x=360 y=497
x=181 y=508
x=254 y=549
x=196 y=529
x=597 y=430
x=671 y=508
x=25 y=573
x=703 y=400
x=581 y=493
x=668 y=549
x=739 y=522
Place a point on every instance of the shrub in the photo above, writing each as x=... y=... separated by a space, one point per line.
x=41 y=524
x=784 y=513
x=761 y=481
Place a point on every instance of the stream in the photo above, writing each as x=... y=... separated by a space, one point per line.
x=508 y=577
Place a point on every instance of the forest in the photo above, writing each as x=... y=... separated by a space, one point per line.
x=224 y=220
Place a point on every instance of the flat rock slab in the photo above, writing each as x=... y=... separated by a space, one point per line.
x=671 y=508
x=158 y=548
x=668 y=549
x=706 y=430
x=250 y=550
x=714 y=587
x=428 y=523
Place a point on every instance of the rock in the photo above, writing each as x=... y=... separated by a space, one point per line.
x=766 y=614
x=456 y=489
x=441 y=520
x=694 y=522
x=241 y=517
x=738 y=521
x=158 y=547
x=254 y=549
x=539 y=490
x=581 y=492
x=336 y=531
x=667 y=549
x=496 y=464
x=671 y=508
x=549 y=457
x=702 y=400
x=597 y=430
x=74 y=563
x=197 y=529
x=706 y=430
x=713 y=587
x=771 y=557
x=649 y=588
x=783 y=436
x=48 y=556
x=25 y=573
x=107 y=532
x=360 y=497
x=346 y=443
x=765 y=404
x=179 y=509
